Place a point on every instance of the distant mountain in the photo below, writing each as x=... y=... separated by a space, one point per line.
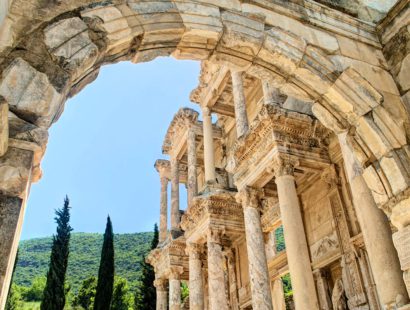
x=85 y=250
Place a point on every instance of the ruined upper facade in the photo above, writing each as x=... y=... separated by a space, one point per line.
x=312 y=106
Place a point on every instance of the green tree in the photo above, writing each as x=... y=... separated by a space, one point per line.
x=121 y=299
x=145 y=296
x=13 y=297
x=55 y=291
x=86 y=293
x=36 y=290
x=105 y=283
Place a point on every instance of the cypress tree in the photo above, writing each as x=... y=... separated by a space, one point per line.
x=105 y=283
x=145 y=295
x=54 y=291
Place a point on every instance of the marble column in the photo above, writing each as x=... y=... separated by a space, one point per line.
x=216 y=279
x=258 y=268
x=175 y=216
x=278 y=295
x=192 y=175
x=209 y=156
x=241 y=116
x=295 y=238
x=196 y=286
x=377 y=234
x=163 y=220
x=11 y=222
x=162 y=296
x=175 y=288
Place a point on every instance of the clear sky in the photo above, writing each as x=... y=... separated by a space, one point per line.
x=101 y=152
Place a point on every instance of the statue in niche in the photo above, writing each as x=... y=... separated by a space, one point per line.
x=338 y=296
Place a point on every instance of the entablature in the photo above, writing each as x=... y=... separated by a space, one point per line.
x=216 y=209
x=278 y=132
x=163 y=167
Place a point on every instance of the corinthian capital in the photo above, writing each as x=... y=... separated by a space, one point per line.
x=284 y=165
x=161 y=284
x=215 y=235
x=194 y=250
x=175 y=272
x=249 y=196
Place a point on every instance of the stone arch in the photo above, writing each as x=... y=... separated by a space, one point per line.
x=49 y=53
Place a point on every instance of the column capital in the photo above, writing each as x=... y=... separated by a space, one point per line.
x=161 y=284
x=194 y=250
x=283 y=164
x=215 y=235
x=206 y=111
x=175 y=272
x=249 y=196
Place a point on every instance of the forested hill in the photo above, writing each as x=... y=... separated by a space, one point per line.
x=85 y=249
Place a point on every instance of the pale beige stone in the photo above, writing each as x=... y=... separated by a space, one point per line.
x=30 y=93
x=69 y=39
x=4 y=126
x=404 y=74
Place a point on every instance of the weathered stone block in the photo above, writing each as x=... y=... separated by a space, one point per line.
x=403 y=77
x=372 y=136
x=4 y=126
x=375 y=185
x=392 y=129
x=327 y=118
x=15 y=168
x=395 y=172
x=401 y=240
x=69 y=39
x=29 y=93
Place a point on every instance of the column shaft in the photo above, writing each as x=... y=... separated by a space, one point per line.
x=209 y=156
x=216 y=280
x=192 y=177
x=196 y=287
x=162 y=296
x=11 y=221
x=174 y=294
x=174 y=194
x=376 y=232
x=163 y=220
x=296 y=245
x=255 y=244
x=239 y=103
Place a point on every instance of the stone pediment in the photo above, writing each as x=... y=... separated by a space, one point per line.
x=217 y=209
x=276 y=130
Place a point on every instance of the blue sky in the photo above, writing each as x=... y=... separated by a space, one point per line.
x=102 y=150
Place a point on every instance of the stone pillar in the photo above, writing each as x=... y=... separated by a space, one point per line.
x=196 y=286
x=192 y=177
x=278 y=295
x=241 y=116
x=258 y=268
x=163 y=219
x=11 y=221
x=216 y=279
x=295 y=239
x=209 y=156
x=323 y=290
x=162 y=296
x=15 y=179
x=376 y=232
x=175 y=216
x=175 y=288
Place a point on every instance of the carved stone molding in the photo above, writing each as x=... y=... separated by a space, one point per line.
x=161 y=284
x=175 y=272
x=249 y=197
x=215 y=235
x=284 y=165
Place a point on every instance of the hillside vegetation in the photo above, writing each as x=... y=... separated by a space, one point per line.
x=85 y=251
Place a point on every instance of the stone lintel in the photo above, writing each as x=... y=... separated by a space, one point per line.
x=215 y=210
x=277 y=132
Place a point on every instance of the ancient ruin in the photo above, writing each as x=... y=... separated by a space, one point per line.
x=311 y=101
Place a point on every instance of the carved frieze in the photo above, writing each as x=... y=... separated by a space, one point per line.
x=276 y=130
